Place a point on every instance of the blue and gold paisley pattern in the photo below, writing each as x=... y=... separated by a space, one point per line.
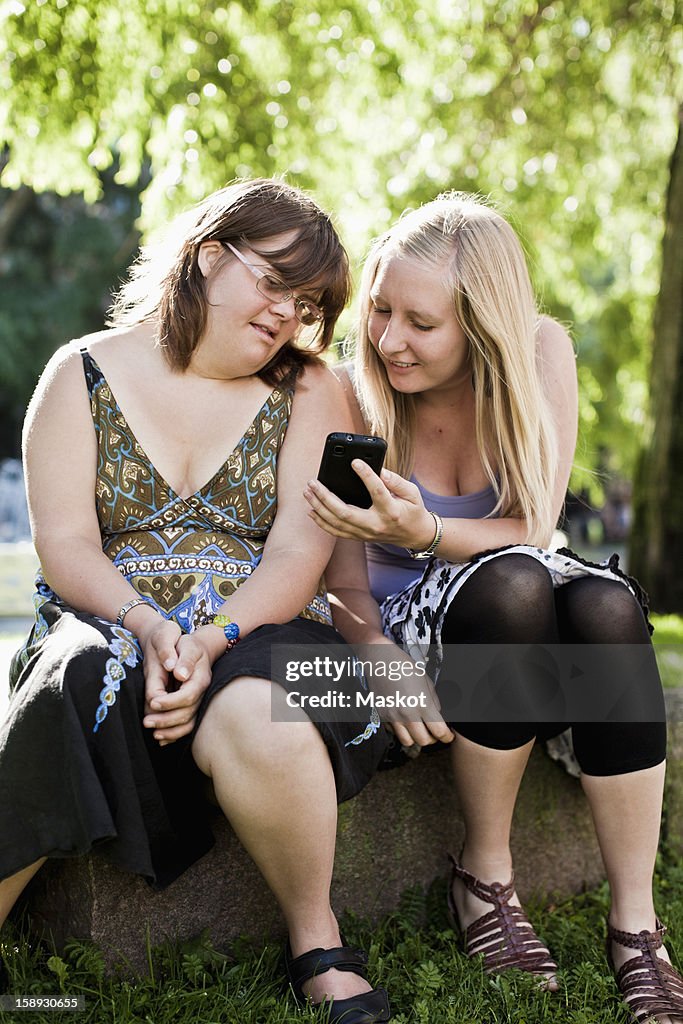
x=187 y=555
x=126 y=651
x=373 y=726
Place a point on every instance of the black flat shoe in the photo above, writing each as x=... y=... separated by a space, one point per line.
x=365 y=1008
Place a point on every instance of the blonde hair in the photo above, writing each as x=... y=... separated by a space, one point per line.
x=482 y=261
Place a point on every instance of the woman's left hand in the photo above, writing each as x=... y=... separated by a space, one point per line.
x=397 y=514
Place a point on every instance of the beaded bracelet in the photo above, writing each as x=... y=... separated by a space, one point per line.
x=231 y=631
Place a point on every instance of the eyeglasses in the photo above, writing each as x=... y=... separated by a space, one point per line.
x=272 y=288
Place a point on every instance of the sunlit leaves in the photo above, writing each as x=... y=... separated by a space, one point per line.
x=564 y=114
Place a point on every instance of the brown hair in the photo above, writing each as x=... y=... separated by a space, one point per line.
x=166 y=285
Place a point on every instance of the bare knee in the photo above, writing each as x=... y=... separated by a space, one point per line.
x=250 y=719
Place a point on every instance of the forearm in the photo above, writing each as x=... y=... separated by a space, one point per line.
x=356 y=615
x=464 y=538
x=82 y=575
x=278 y=590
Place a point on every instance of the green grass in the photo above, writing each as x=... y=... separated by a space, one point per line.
x=428 y=978
x=668 y=641
x=668 y=629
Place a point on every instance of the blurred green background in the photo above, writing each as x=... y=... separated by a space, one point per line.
x=113 y=116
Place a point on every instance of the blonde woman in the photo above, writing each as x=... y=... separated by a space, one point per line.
x=476 y=395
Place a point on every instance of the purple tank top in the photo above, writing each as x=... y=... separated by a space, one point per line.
x=391 y=568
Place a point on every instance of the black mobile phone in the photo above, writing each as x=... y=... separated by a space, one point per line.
x=336 y=472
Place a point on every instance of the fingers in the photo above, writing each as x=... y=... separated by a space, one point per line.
x=191 y=652
x=394 y=516
x=162 y=642
x=333 y=515
x=185 y=696
x=422 y=734
x=171 y=714
x=159 y=658
x=156 y=681
x=427 y=729
x=348 y=521
x=386 y=486
x=408 y=736
x=401 y=733
x=440 y=731
x=381 y=498
x=166 y=732
x=328 y=505
x=171 y=718
x=171 y=735
x=399 y=486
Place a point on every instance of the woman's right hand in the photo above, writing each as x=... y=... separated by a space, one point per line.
x=397 y=514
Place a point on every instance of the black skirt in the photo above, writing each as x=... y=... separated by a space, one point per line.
x=79 y=772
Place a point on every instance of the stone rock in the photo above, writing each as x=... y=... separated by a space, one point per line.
x=394 y=835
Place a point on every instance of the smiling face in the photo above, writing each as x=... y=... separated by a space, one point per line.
x=244 y=329
x=413 y=327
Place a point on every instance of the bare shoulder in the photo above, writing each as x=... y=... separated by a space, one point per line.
x=344 y=374
x=554 y=339
x=319 y=383
x=319 y=404
x=556 y=353
x=59 y=405
x=64 y=370
x=61 y=372
x=123 y=347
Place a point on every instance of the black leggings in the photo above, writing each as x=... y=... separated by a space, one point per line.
x=511 y=599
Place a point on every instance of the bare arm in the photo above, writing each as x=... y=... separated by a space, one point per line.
x=357 y=617
x=60 y=459
x=398 y=515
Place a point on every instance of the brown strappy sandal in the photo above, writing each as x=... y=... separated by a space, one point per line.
x=650 y=987
x=504 y=937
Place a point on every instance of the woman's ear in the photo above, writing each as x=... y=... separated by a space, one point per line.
x=209 y=254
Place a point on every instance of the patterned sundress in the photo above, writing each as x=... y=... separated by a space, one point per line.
x=77 y=769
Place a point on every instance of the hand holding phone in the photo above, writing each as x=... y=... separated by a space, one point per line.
x=336 y=472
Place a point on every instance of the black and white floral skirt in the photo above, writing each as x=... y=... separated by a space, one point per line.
x=414 y=616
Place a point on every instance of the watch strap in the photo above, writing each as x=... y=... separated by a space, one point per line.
x=124 y=609
x=436 y=540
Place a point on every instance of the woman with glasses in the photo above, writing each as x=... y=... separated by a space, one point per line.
x=165 y=462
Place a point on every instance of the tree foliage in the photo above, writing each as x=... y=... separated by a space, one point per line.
x=60 y=258
x=567 y=119
x=657 y=541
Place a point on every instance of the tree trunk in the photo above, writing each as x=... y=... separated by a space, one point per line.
x=656 y=555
